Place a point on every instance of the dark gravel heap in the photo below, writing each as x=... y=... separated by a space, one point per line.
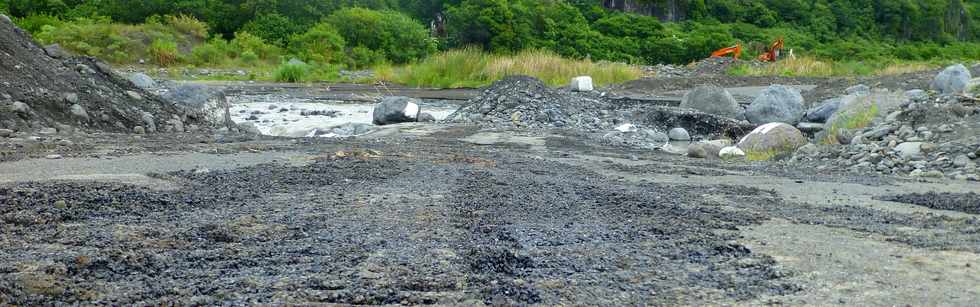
x=489 y=229
x=44 y=88
x=962 y=202
x=524 y=101
x=948 y=127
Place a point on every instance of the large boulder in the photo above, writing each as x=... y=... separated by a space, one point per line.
x=395 y=109
x=582 y=84
x=952 y=80
x=777 y=103
x=142 y=80
x=973 y=87
x=772 y=139
x=909 y=150
x=711 y=99
x=821 y=113
x=859 y=111
x=202 y=102
x=704 y=150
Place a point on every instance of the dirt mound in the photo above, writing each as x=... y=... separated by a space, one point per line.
x=40 y=90
x=527 y=102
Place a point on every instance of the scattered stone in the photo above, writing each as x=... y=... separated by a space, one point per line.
x=53 y=157
x=201 y=102
x=808 y=150
x=821 y=113
x=249 y=128
x=21 y=108
x=143 y=81
x=711 y=99
x=810 y=128
x=427 y=118
x=776 y=104
x=857 y=89
x=679 y=134
x=703 y=150
x=772 y=139
x=149 y=122
x=671 y=149
x=71 y=98
x=6 y=133
x=917 y=95
x=48 y=131
x=731 y=153
x=139 y=130
x=582 y=84
x=393 y=110
x=909 y=150
x=973 y=87
x=928 y=147
x=952 y=80
x=55 y=51
x=962 y=161
x=134 y=95
x=78 y=111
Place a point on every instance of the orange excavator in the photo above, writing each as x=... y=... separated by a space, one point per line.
x=735 y=51
x=772 y=54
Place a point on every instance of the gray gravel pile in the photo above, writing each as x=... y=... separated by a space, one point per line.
x=522 y=101
x=930 y=135
x=43 y=89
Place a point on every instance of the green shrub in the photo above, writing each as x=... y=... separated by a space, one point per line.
x=273 y=28
x=248 y=57
x=208 y=54
x=360 y=57
x=320 y=44
x=400 y=38
x=292 y=72
x=35 y=23
x=163 y=53
x=188 y=25
x=245 y=41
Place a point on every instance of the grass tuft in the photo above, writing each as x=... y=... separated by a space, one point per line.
x=851 y=120
x=813 y=67
x=471 y=67
x=292 y=72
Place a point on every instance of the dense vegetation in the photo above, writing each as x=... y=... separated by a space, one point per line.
x=368 y=33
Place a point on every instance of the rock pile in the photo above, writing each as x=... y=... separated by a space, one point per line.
x=47 y=90
x=928 y=135
x=522 y=101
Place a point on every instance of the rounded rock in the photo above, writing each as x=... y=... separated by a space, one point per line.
x=679 y=134
x=713 y=100
x=776 y=104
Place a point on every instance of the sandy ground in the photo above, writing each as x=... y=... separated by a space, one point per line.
x=433 y=214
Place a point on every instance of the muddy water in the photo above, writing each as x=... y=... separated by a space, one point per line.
x=291 y=117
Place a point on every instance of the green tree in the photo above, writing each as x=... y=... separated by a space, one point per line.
x=399 y=37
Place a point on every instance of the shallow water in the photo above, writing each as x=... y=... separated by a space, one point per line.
x=287 y=119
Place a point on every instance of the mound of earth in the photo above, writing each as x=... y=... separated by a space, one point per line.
x=43 y=89
x=527 y=102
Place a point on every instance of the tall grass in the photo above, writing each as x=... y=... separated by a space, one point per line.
x=471 y=67
x=292 y=72
x=813 y=67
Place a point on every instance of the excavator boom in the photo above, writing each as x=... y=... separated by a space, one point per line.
x=772 y=54
x=735 y=51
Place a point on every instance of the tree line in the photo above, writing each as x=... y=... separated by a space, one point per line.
x=840 y=29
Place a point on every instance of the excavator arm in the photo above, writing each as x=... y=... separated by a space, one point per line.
x=772 y=54
x=735 y=51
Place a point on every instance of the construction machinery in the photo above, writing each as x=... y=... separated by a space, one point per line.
x=735 y=51
x=772 y=54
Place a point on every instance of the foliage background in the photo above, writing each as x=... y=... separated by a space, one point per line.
x=361 y=33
